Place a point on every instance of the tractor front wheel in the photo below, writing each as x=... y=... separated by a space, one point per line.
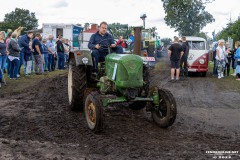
x=165 y=113
x=94 y=112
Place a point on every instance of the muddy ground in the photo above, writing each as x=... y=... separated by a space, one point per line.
x=36 y=123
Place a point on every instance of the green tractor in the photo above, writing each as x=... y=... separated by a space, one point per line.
x=121 y=78
x=148 y=41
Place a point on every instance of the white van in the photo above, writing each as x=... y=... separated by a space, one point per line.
x=198 y=55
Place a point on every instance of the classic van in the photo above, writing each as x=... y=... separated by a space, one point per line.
x=198 y=55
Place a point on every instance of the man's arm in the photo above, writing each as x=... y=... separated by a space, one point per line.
x=182 y=54
x=38 y=49
x=218 y=54
x=14 y=46
x=113 y=45
x=23 y=42
x=169 y=53
x=91 y=43
x=49 y=50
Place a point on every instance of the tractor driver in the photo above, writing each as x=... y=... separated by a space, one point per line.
x=99 y=53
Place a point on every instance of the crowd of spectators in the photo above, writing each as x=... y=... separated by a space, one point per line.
x=225 y=58
x=37 y=55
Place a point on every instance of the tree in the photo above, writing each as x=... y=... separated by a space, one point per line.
x=166 y=41
x=86 y=26
x=188 y=17
x=232 y=30
x=203 y=35
x=118 y=29
x=19 y=17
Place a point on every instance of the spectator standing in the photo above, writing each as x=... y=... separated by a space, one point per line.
x=9 y=36
x=28 y=57
x=131 y=40
x=3 y=54
x=37 y=47
x=14 y=56
x=175 y=53
x=60 y=54
x=23 y=42
x=229 y=59
x=215 y=45
x=184 y=62
x=121 y=42
x=45 y=54
x=234 y=63
x=220 y=57
x=51 y=53
x=66 y=47
x=237 y=59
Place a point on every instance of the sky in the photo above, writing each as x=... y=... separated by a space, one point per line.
x=121 y=11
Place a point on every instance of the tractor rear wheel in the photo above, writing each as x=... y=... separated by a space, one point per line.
x=77 y=84
x=165 y=114
x=94 y=112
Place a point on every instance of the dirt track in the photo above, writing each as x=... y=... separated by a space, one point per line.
x=36 y=123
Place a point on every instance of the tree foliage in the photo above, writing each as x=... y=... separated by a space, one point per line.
x=117 y=29
x=166 y=41
x=188 y=17
x=232 y=30
x=19 y=17
x=86 y=26
x=203 y=35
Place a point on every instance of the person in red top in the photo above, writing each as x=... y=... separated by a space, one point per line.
x=121 y=42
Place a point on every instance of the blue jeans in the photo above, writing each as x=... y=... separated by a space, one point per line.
x=22 y=62
x=13 y=68
x=215 y=67
x=50 y=63
x=45 y=66
x=118 y=49
x=3 y=59
x=97 y=56
x=61 y=59
x=8 y=63
x=66 y=58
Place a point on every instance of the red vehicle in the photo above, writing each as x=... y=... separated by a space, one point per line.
x=198 y=55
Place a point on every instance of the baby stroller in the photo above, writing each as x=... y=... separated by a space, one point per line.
x=3 y=79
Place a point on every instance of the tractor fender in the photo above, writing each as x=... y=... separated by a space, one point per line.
x=82 y=57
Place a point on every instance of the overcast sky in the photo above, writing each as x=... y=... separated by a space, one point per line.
x=122 y=11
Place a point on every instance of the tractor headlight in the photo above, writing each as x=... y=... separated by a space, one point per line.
x=201 y=61
x=85 y=60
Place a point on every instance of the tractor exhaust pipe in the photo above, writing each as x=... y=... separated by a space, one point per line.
x=137 y=40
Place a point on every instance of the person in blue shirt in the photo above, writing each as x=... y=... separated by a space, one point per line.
x=131 y=37
x=37 y=53
x=237 y=59
x=98 y=44
x=51 y=53
x=215 y=45
x=45 y=55
x=23 y=42
x=3 y=54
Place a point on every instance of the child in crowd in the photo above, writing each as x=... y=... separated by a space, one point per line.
x=237 y=59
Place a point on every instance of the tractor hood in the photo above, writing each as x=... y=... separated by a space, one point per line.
x=126 y=70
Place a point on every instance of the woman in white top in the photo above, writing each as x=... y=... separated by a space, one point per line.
x=220 y=57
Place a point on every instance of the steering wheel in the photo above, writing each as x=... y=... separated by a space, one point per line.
x=106 y=46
